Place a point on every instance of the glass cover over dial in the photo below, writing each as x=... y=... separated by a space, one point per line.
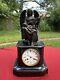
x=31 y=57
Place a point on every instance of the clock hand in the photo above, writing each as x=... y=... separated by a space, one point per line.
x=33 y=58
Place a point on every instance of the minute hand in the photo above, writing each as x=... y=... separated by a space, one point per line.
x=33 y=58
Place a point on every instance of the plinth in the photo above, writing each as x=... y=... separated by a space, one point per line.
x=21 y=69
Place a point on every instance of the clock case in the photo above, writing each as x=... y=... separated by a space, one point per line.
x=20 y=69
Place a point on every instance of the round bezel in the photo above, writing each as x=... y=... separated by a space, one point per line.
x=31 y=57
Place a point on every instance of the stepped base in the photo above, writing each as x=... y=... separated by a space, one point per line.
x=30 y=71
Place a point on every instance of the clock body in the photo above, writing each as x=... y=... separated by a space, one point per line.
x=30 y=60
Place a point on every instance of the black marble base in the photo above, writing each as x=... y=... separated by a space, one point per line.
x=30 y=71
x=20 y=69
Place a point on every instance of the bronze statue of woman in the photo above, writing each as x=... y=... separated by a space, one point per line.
x=29 y=22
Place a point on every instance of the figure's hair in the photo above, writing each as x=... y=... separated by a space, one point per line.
x=29 y=12
x=22 y=17
x=36 y=15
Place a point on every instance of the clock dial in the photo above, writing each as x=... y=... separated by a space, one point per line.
x=31 y=57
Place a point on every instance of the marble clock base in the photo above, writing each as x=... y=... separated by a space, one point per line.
x=20 y=69
x=29 y=71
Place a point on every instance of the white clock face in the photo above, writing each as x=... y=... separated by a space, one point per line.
x=31 y=57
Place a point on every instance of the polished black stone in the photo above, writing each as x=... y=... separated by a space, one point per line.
x=20 y=69
x=30 y=71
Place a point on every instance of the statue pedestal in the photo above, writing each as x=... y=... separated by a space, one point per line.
x=20 y=69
